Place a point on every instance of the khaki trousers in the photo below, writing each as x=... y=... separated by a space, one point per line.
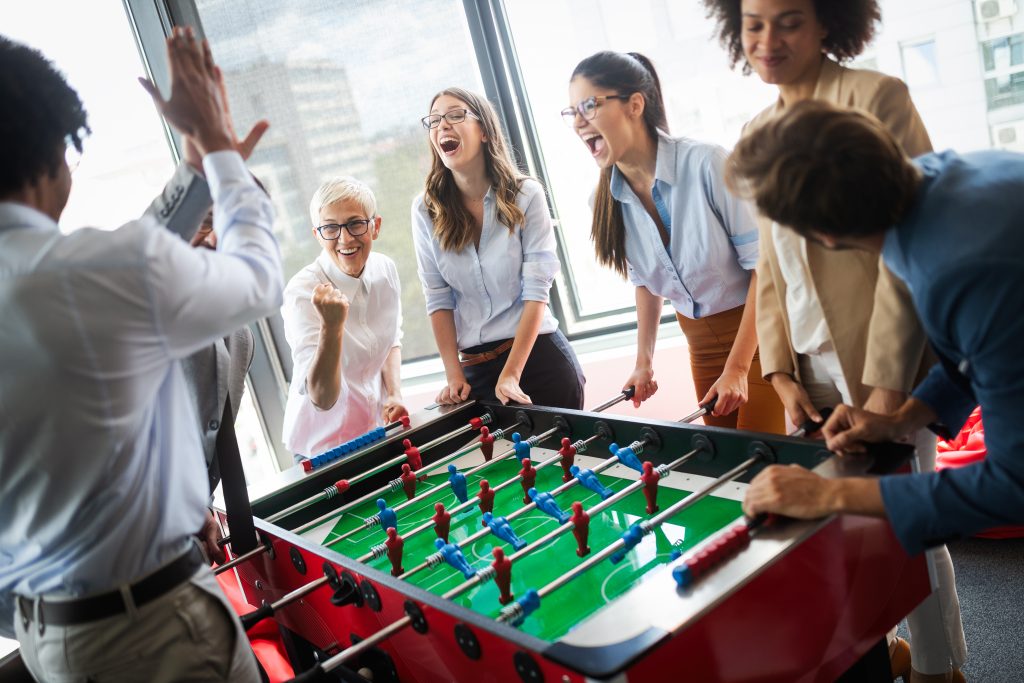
x=710 y=340
x=189 y=634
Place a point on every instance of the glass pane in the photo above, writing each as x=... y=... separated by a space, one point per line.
x=126 y=159
x=920 y=64
x=705 y=100
x=344 y=87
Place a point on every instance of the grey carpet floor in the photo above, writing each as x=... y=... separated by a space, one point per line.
x=990 y=582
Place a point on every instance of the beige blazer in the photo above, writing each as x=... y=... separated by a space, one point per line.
x=869 y=313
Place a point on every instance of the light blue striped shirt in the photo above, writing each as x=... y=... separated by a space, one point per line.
x=486 y=286
x=712 y=235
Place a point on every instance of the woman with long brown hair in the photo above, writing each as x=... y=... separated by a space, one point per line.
x=664 y=218
x=485 y=249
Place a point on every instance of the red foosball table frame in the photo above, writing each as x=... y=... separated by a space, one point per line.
x=804 y=601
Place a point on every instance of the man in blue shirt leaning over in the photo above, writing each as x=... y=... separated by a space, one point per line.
x=949 y=225
x=102 y=475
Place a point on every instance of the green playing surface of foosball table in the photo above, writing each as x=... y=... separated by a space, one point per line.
x=573 y=603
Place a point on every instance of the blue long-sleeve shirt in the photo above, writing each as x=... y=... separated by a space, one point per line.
x=961 y=252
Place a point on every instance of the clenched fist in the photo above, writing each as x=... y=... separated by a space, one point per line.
x=331 y=305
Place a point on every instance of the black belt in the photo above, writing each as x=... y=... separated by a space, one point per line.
x=93 y=608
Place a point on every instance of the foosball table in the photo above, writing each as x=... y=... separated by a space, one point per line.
x=484 y=542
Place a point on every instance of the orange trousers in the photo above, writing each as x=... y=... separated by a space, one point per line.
x=710 y=340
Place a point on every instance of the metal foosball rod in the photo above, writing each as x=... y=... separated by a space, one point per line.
x=258 y=550
x=702 y=410
x=392 y=485
x=375 y=520
x=516 y=611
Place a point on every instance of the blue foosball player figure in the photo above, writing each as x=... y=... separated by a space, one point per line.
x=388 y=518
x=589 y=480
x=521 y=447
x=457 y=480
x=500 y=527
x=453 y=556
x=545 y=502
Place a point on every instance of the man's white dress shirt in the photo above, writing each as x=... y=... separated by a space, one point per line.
x=373 y=327
x=102 y=475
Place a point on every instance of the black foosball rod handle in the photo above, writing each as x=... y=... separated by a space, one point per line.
x=702 y=410
x=624 y=396
x=252 y=618
x=314 y=673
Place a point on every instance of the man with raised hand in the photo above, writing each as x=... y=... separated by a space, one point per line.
x=102 y=477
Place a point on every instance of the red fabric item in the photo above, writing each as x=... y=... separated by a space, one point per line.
x=264 y=636
x=967 y=448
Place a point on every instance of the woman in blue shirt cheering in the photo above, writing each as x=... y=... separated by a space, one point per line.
x=485 y=249
x=664 y=219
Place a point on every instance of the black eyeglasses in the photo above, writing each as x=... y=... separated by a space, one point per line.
x=452 y=116
x=587 y=108
x=332 y=231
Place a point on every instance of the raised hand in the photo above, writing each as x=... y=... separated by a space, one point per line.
x=331 y=305
x=194 y=107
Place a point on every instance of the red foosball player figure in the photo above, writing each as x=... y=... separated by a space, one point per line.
x=568 y=453
x=650 y=479
x=580 y=528
x=503 y=575
x=486 y=444
x=442 y=520
x=486 y=497
x=408 y=481
x=527 y=477
x=395 y=544
x=413 y=457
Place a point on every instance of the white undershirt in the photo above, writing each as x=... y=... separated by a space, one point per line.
x=807 y=328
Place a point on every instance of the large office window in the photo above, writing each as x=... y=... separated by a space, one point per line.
x=344 y=87
x=704 y=99
x=1004 y=70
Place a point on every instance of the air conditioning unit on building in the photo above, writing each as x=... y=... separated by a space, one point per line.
x=991 y=10
x=1009 y=136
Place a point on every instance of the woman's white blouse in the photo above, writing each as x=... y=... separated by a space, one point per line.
x=373 y=327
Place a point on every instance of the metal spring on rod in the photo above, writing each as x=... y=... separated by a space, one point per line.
x=512 y=611
x=580 y=446
x=434 y=560
x=498 y=433
x=637 y=447
x=395 y=484
x=379 y=551
x=330 y=492
x=371 y=521
x=486 y=574
x=662 y=470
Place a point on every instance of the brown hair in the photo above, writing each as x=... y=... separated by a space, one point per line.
x=453 y=224
x=850 y=25
x=819 y=168
x=627 y=73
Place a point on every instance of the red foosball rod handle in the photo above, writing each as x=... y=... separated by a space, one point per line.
x=731 y=541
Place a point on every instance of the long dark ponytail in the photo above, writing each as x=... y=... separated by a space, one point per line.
x=625 y=73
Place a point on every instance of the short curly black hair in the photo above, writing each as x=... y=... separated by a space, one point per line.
x=39 y=114
x=850 y=25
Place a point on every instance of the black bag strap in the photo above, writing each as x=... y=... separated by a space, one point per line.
x=236 y=499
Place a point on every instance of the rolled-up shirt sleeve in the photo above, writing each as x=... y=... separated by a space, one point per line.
x=199 y=295
x=436 y=290
x=540 y=260
x=736 y=215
